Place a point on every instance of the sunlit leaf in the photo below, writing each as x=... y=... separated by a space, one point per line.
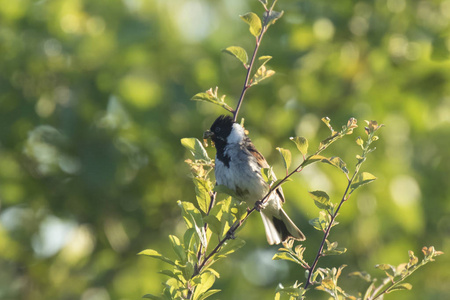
x=400 y=287
x=155 y=254
x=231 y=246
x=225 y=190
x=237 y=52
x=208 y=294
x=261 y=74
x=361 y=179
x=254 y=22
x=337 y=162
x=287 y=157
x=205 y=97
x=196 y=148
x=286 y=256
x=272 y=16
x=178 y=248
x=205 y=282
x=321 y=199
x=301 y=143
x=312 y=159
x=202 y=189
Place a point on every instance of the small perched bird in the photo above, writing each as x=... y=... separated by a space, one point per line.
x=238 y=166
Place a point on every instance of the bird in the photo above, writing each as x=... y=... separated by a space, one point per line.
x=238 y=166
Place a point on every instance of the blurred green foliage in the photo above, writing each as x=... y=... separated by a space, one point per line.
x=94 y=99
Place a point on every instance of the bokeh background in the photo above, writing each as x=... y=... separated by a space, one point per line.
x=94 y=99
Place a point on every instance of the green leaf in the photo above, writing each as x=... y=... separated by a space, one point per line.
x=191 y=214
x=206 y=280
x=400 y=287
x=237 y=52
x=214 y=224
x=280 y=180
x=388 y=269
x=170 y=274
x=225 y=190
x=154 y=254
x=321 y=199
x=202 y=189
x=363 y=178
x=178 y=248
x=254 y=22
x=267 y=174
x=312 y=159
x=321 y=222
x=261 y=74
x=231 y=246
x=337 y=162
x=207 y=294
x=264 y=58
x=205 y=97
x=272 y=16
x=287 y=157
x=190 y=240
x=286 y=256
x=301 y=143
x=196 y=148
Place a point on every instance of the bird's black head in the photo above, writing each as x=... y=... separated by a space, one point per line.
x=221 y=129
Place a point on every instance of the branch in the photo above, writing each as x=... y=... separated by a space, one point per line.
x=252 y=61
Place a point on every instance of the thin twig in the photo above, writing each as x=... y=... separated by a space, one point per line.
x=250 y=66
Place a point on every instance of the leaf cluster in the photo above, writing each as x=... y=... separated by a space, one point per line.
x=191 y=275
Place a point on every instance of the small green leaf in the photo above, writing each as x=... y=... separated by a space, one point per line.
x=206 y=280
x=280 y=180
x=399 y=287
x=261 y=74
x=231 y=246
x=301 y=143
x=191 y=214
x=287 y=157
x=360 y=142
x=272 y=16
x=285 y=256
x=337 y=162
x=155 y=254
x=321 y=199
x=225 y=190
x=254 y=22
x=388 y=269
x=321 y=222
x=202 y=190
x=312 y=159
x=267 y=174
x=178 y=248
x=205 y=97
x=196 y=148
x=207 y=294
x=363 y=178
x=264 y=58
x=237 y=52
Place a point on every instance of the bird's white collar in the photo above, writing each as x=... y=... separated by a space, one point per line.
x=237 y=134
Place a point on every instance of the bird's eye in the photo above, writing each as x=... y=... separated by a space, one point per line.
x=217 y=130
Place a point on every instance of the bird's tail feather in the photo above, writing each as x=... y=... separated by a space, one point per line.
x=280 y=229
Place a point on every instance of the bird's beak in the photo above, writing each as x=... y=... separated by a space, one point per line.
x=208 y=134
